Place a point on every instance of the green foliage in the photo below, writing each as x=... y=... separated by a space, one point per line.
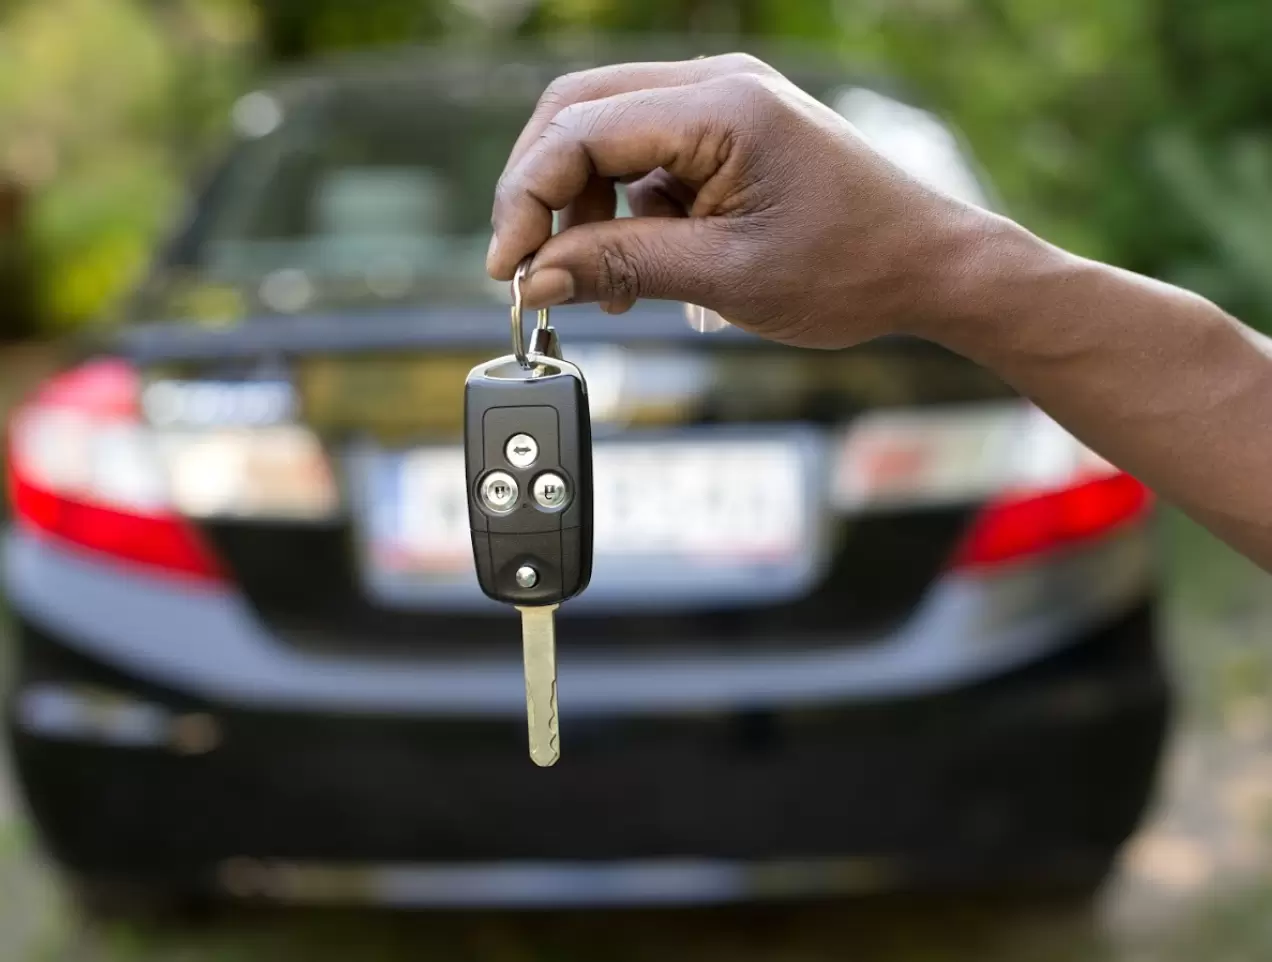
x=103 y=105
x=1110 y=127
x=1135 y=131
x=1228 y=191
x=295 y=29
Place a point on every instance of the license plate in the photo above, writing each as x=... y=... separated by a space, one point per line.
x=723 y=503
x=386 y=395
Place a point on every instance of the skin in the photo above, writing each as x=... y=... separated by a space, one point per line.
x=753 y=199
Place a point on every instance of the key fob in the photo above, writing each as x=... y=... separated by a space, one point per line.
x=528 y=460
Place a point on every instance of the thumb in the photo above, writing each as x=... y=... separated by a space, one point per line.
x=615 y=262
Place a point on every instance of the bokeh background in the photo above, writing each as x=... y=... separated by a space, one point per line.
x=1136 y=131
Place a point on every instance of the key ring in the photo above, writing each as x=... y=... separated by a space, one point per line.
x=540 y=340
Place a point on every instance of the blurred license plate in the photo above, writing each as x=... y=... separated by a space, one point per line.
x=726 y=502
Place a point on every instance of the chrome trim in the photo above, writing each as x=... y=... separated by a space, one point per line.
x=541 y=885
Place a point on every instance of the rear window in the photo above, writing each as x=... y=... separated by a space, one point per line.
x=390 y=189
x=382 y=192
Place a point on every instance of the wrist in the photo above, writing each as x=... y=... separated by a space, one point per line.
x=990 y=288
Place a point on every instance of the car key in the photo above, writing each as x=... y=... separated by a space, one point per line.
x=528 y=461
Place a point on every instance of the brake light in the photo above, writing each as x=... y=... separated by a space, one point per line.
x=1013 y=528
x=1043 y=490
x=83 y=468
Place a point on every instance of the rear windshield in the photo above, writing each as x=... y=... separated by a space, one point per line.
x=383 y=188
x=382 y=192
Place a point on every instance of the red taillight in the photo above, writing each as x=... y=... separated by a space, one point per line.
x=1043 y=490
x=82 y=468
x=1013 y=528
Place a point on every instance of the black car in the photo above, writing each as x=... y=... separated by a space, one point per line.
x=859 y=620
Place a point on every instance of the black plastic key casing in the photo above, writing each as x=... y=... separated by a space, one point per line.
x=502 y=399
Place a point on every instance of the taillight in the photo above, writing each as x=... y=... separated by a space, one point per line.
x=1023 y=526
x=83 y=468
x=1041 y=488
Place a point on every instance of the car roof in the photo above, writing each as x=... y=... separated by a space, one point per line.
x=513 y=75
x=521 y=71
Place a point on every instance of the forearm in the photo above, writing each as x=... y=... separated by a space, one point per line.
x=1159 y=381
x=763 y=204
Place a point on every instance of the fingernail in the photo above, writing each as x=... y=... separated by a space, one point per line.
x=492 y=252
x=549 y=287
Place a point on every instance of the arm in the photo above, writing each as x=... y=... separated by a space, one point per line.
x=753 y=199
x=1158 y=380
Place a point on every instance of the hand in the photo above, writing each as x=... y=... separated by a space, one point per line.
x=749 y=197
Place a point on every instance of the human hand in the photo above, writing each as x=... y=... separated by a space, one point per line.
x=748 y=196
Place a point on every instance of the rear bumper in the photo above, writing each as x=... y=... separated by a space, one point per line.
x=207 y=643
x=1036 y=773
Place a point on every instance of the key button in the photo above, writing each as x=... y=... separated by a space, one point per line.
x=521 y=450
x=550 y=491
x=498 y=492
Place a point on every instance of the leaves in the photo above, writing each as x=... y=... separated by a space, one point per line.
x=1129 y=131
x=102 y=105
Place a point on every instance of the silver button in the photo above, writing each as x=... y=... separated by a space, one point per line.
x=498 y=492
x=527 y=577
x=521 y=450
x=550 y=491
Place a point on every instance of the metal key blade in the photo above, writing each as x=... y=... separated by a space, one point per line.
x=538 y=639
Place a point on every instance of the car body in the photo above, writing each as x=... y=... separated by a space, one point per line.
x=859 y=620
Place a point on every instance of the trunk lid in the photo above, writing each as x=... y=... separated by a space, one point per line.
x=727 y=443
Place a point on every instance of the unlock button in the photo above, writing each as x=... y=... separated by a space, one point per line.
x=550 y=491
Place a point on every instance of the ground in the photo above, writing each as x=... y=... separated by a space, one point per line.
x=1195 y=883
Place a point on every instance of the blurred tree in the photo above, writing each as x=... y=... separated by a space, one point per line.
x=102 y=105
x=296 y=29
x=18 y=269
x=1136 y=131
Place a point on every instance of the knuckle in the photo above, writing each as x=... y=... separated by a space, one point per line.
x=742 y=89
x=578 y=86
x=754 y=102
x=563 y=91
x=756 y=87
x=740 y=62
x=618 y=274
x=569 y=122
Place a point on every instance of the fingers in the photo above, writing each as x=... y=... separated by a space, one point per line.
x=602 y=82
x=615 y=262
x=597 y=201
x=687 y=131
x=659 y=194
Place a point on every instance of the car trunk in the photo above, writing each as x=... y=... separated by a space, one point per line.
x=377 y=387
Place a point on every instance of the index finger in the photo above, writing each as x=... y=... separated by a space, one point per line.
x=685 y=130
x=601 y=82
